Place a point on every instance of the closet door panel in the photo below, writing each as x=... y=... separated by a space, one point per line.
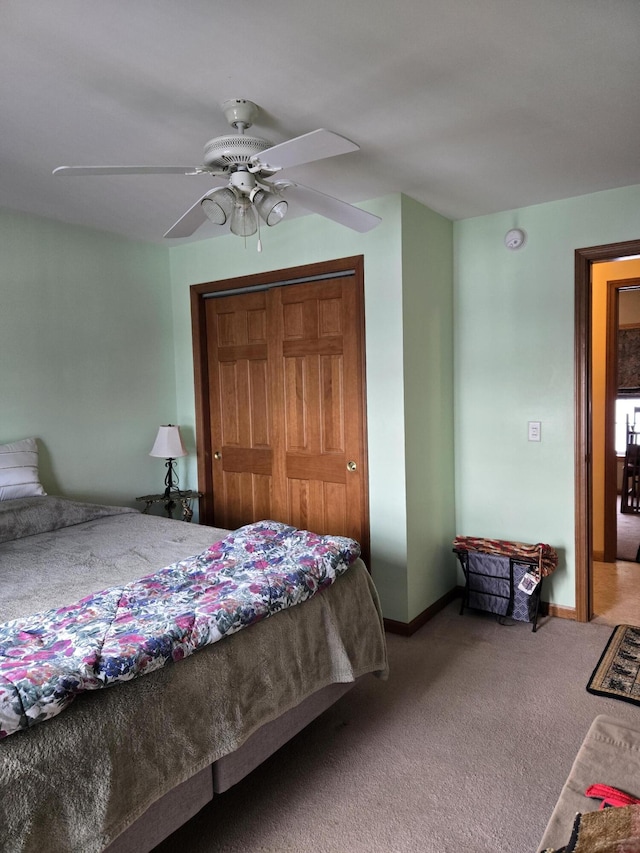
x=319 y=353
x=240 y=401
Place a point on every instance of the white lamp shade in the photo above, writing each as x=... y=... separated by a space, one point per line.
x=243 y=219
x=168 y=443
x=270 y=206
x=218 y=206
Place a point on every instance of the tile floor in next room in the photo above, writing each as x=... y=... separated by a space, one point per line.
x=616 y=593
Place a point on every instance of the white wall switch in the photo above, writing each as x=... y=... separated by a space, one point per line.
x=535 y=431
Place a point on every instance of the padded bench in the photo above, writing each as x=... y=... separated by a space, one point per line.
x=610 y=755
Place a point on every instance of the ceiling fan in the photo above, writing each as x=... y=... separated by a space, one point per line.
x=247 y=165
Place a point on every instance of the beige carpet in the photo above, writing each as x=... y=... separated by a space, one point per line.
x=463 y=750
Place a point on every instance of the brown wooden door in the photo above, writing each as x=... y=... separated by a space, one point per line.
x=286 y=407
x=321 y=427
x=240 y=402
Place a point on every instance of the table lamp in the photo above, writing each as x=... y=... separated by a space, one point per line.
x=168 y=445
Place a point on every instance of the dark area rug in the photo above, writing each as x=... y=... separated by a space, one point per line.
x=617 y=674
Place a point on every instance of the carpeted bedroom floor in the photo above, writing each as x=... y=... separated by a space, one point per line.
x=463 y=750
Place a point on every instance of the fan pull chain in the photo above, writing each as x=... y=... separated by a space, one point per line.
x=259 y=247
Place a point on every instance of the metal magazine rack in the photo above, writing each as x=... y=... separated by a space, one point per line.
x=504 y=577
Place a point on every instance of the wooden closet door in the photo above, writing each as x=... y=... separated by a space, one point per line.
x=240 y=408
x=285 y=407
x=318 y=408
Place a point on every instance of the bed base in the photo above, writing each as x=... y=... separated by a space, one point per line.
x=180 y=804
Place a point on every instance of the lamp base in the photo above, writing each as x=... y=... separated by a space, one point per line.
x=171 y=488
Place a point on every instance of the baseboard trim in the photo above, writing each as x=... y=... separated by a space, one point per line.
x=558 y=610
x=406 y=629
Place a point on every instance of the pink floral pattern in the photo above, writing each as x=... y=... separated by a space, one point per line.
x=123 y=632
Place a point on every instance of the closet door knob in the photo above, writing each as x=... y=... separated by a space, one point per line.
x=351 y=466
x=217 y=455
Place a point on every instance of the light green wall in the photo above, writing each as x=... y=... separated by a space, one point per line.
x=427 y=275
x=514 y=316
x=86 y=355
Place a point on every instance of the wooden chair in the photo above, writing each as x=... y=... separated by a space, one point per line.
x=630 y=498
x=633 y=428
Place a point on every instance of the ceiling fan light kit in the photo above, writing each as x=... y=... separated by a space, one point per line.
x=233 y=203
x=248 y=163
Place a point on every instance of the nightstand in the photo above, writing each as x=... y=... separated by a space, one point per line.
x=171 y=501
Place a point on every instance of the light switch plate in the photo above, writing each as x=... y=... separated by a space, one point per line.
x=535 y=431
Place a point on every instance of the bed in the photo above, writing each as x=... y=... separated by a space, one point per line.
x=121 y=768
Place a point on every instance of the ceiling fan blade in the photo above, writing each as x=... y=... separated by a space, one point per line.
x=127 y=170
x=332 y=208
x=304 y=149
x=189 y=221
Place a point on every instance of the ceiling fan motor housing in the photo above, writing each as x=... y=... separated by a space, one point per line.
x=224 y=152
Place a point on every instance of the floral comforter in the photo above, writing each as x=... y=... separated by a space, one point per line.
x=123 y=632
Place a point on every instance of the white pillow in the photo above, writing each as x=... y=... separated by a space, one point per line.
x=19 y=470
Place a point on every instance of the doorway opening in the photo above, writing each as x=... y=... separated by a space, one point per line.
x=594 y=420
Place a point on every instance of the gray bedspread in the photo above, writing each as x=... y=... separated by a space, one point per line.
x=74 y=782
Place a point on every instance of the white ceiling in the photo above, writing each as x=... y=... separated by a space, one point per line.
x=468 y=106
